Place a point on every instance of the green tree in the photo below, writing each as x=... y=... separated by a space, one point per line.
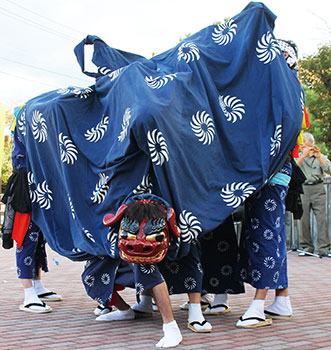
x=315 y=74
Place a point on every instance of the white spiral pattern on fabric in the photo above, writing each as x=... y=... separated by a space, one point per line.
x=203 y=127
x=39 y=127
x=145 y=186
x=125 y=124
x=44 y=196
x=157 y=147
x=113 y=243
x=232 y=108
x=82 y=93
x=190 y=283
x=68 y=150
x=276 y=141
x=189 y=225
x=95 y=134
x=21 y=122
x=72 y=210
x=88 y=235
x=101 y=188
x=31 y=181
x=224 y=33
x=234 y=194
x=188 y=52
x=158 y=82
x=267 y=48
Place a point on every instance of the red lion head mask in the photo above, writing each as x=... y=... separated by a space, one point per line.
x=144 y=236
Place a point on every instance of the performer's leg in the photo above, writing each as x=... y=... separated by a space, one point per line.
x=172 y=336
x=144 y=307
x=219 y=306
x=196 y=320
x=123 y=312
x=254 y=316
x=42 y=292
x=281 y=307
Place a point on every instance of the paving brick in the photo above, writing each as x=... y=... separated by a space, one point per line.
x=72 y=324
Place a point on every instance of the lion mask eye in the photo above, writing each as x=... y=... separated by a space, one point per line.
x=156 y=237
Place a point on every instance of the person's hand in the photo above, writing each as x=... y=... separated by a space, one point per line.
x=316 y=152
x=307 y=151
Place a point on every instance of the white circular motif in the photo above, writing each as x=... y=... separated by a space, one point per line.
x=21 y=122
x=255 y=247
x=32 y=187
x=232 y=108
x=267 y=48
x=283 y=194
x=39 y=127
x=34 y=236
x=276 y=141
x=89 y=280
x=157 y=147
x=223 y=33
x=214 y=282
x=27 y=261
x=139 y=288
x=68 y=150
x=269 y=262
x=276 y=277
x=145 y=185
x=277 y=222
x=172 y=266
x=96 y=134
x=190 y=283
x=147 y=268
x=158 y=82
x=44 y=196
x=223 y=246
x=268 y=234
x=234 y=194
x=105 y=278
x=189 y=225
x=256 y=275
x=101 y=189
x=82 y=93
x=203 y=127
x=188 y=52
x=226 y=270
x=255 y=223
x=243 y=274
x=270 y=204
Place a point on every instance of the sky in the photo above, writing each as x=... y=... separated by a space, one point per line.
x=38 y=37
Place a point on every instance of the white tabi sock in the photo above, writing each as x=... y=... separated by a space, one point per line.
x=220 y=299
x=145 y=304
x=195 y=313
x=256 y=309
x=172 y=336
x=30 y=296
x=118 y=315
x=39 y=287
x=281 y=306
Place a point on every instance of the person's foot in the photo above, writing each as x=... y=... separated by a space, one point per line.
x=102 y=310
x=326 y=255
x=172 y=335
x=280 y=309
x=39 y=308
x=118 y=315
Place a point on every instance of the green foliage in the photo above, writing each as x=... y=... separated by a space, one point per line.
x=7 y=168
x=315 y=74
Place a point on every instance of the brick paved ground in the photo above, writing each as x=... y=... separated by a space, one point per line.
x=72 y=324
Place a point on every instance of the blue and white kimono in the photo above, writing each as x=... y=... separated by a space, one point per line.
x=263 y=259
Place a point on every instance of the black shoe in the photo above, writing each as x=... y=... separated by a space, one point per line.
x=326 y=255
